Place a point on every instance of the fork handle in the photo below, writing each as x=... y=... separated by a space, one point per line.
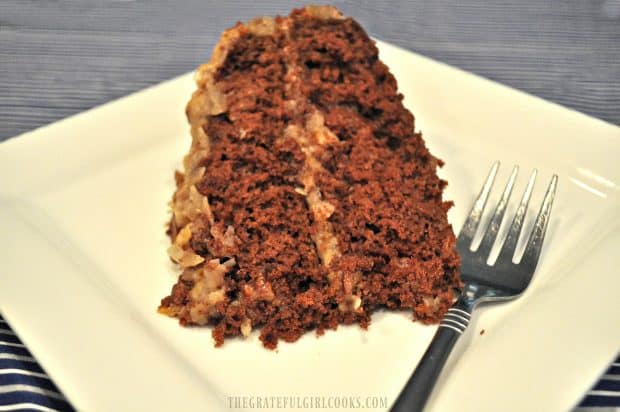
x=414 y=395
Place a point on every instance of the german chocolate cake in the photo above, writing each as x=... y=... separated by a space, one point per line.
x=307 y=200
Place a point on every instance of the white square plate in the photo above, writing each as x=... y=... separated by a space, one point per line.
x=83 y=263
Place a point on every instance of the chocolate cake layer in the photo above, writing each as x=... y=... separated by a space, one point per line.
x=306 y=200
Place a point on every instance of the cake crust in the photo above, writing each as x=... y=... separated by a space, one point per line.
x=307 y=200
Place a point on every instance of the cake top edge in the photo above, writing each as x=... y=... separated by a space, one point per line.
x=259 y=26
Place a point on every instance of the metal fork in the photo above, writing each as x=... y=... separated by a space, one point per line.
x=502 y=280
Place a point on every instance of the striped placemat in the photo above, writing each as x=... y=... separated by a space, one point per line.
x=606 y=393
x=24 y=385
x=58 y=58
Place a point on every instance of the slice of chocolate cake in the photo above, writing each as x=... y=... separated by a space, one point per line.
x=307 y=200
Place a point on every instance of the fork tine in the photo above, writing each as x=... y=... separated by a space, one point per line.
x=510 y=243
x=535 y=241
x=471 y=224
x=496 y=221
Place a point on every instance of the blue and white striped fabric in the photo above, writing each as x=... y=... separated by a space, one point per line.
x=23 y=384
x=61 y=57
x=606 y=393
